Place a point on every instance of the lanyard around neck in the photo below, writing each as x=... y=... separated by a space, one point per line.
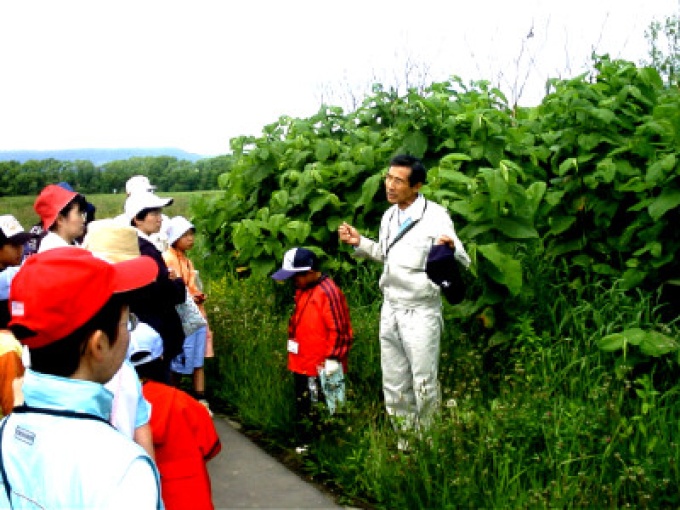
x=403 y=231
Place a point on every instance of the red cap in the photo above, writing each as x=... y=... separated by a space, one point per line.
x=59 y=290
x=51 y=200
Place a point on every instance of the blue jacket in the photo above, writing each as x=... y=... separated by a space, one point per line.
x=59 y=451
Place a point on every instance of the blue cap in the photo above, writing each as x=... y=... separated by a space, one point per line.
x=296 y=260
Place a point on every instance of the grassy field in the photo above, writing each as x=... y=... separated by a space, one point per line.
x=108 y=206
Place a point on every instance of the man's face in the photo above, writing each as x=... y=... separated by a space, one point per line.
x=11 y=255
x=397 y=186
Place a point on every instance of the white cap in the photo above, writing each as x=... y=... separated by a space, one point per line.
x=145 y=344
x=137 y=202
x=177 y=227
x=137 y=184
x=12 y=231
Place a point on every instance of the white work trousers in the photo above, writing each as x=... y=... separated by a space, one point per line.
x=409 y=354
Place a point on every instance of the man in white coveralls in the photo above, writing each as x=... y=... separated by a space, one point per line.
x=411 y=319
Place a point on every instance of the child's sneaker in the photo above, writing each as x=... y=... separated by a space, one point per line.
x=303 y=449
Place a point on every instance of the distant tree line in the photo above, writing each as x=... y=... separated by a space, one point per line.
x=167 y=173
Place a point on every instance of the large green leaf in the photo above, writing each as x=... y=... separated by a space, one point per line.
x=497 y=185
x=616 y=341
x=368 y=190
x=415 y=143
x=657 y=344
x=657 y=172
x=516 y=228
x=323 y=150
x=651 y=343
x=560 y=224
x=453 y=159
x=667 y=200
x=296 y=231
x=509 y=269
x=261 y=268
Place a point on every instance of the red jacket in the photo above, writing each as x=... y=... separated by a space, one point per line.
x=184 y=439
x=321 y=327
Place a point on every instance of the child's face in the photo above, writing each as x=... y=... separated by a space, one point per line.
x=11 y=255
x=186 y=242
x=302 y=280
x=118 y=347
x=71 y=226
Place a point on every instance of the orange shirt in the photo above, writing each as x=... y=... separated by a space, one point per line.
x=11 y=367
x=184 y=268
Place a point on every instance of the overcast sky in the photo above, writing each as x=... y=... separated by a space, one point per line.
x=196 y=73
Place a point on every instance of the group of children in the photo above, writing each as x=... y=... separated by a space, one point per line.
x=93 y=304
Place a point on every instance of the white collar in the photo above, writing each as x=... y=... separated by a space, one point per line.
x=413 y=210
x=143 y=235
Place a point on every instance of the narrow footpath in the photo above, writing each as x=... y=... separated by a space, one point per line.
x=245 y=476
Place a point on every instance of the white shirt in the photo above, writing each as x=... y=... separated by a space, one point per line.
x=52 y=240
x=401 y=218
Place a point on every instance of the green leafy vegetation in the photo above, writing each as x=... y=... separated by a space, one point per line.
x=588 y=177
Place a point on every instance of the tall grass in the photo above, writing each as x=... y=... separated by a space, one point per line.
x=543 y=420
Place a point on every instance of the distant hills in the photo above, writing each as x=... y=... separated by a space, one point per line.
x=96 y=156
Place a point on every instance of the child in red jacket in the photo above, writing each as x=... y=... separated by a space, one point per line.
x=319 y=334
x=184 y=436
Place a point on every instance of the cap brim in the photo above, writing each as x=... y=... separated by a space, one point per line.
x=161 y=202
x=134 y=274
x=284 y=274
x=21 y=238
x=141 y=357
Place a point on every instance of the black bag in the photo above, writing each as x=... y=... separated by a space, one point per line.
x=444 y=270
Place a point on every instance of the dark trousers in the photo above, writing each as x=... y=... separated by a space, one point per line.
x=308 y=395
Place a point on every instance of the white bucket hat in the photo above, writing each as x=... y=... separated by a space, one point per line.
x=137 y=202
x=177 y=227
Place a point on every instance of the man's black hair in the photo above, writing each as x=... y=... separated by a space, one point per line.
x=418 y=171
x=61 y=358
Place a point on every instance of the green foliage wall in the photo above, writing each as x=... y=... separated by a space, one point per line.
x=589 y=176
